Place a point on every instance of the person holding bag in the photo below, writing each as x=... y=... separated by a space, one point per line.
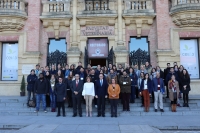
x=173 y=87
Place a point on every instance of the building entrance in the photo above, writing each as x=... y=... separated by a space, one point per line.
x=95 y=62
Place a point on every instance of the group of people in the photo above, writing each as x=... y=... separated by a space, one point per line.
x=88 y=85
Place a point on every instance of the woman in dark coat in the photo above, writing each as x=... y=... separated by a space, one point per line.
x=68 y=83
x=48 y=77
x=185 y=85
x=60 y=91
x=134 y=79
x=146 y=89
x=30 y=87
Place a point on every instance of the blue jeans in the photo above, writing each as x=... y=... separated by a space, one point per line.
x=40 y=97
x=53 y=100
x=133 y=93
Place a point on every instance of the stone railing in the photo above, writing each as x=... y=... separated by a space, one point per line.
x=56 y=7
x=13 y=7
x=136 y=5
x=94 y=5
x=182 y=5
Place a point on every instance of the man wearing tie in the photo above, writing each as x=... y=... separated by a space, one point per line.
x=77 y=88
x=101 y=87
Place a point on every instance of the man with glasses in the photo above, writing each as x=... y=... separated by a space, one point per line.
x=77 y=88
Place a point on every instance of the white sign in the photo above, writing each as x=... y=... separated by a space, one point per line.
x=26 y=69
x=189 y=57
x=10 y=62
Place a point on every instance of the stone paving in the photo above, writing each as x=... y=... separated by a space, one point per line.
x=186 y=120
x=125 y=124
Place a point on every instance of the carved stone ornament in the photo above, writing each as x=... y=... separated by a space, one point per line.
x=139 y=22
x=11 y=23
x=56 y=25
x=187 y=19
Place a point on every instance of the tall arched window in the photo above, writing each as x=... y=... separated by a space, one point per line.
x=138 y=51
x=57 y=52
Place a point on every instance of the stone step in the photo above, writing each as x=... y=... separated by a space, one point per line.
x=120 y=113
x=19 y=106
x=107 y=109
x=18 y=99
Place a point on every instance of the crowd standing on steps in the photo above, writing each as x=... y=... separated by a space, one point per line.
x=57 y=85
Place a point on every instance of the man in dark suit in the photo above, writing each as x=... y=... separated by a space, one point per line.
x=77 y=88
x=101 y=87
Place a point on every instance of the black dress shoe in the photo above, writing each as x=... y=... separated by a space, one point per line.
x=115 y=115
x=64 y=115
x=74 y=115
x=111 y=115
x=142 y=105
x=187 y=105
x=80 y=115
x=155 y=110
x=128 y=109
x=98 y=115
x=184 y=105
x=103 y=115
x=161 y=110
x=57 y=115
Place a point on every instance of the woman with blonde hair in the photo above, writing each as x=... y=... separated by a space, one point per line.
x=173 y=87
x=88 y=93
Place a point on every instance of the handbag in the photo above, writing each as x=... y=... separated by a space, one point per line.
x=31 y=103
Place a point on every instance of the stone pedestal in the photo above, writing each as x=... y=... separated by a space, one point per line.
x=121 y=55
x=73 y=57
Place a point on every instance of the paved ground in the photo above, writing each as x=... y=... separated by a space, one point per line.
x=134 y=124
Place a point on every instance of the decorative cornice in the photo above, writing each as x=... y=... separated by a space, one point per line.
x=187 y=18
x=56 y=24
x=11 y=23
x=98 y=21
x=138 y=21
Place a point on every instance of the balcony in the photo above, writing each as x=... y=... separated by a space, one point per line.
x=56 y=9
x=139 y=12
x=99 y=11
x=97 y=8
x=185 y=13
x=12 y=14
x=139 y=7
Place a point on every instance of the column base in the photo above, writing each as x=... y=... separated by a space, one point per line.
x=121 y=55
x=73 y=56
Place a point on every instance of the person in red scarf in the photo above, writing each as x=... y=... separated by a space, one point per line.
x=173 y=87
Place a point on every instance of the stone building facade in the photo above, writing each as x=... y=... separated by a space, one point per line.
x=32 y=23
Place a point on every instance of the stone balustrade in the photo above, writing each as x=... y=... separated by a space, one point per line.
x=11 y=7
x=183 y=5
x=55 y=7
x=138 y=5
x=181 y=2
x=12 y=4
x=95 y=5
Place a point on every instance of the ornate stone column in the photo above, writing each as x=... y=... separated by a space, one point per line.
x=120 y=51
x=74 y=52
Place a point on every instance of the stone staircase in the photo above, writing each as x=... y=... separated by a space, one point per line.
x=13 y=105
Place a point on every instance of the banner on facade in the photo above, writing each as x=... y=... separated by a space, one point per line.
x=98 y=48
x=97 y=31
x=10 y=62
x=189 y=56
